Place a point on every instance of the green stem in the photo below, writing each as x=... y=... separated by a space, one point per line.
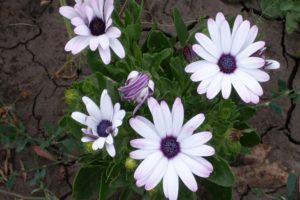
x=67 y=23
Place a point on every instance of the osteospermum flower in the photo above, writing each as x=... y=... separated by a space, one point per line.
x=93 y=27
x=138 y=88
x=169 y=149
x=102 y=122
x=230 y=58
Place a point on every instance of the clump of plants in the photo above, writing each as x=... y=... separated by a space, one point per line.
x=160 y=112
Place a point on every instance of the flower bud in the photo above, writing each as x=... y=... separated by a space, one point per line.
x=189 y=54
x=138 y=88
x=130 y=164
x=88 y=147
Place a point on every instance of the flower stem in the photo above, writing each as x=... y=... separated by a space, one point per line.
x=67 y=23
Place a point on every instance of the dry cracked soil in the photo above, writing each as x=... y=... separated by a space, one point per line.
x=32 y=39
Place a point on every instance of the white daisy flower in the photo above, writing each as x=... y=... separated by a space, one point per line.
x=102 y=122
x=169 y=149
x=93 y=27
x=230 y=58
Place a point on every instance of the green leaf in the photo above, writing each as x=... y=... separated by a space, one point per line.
x=222 y=174
x=286 y=5
x=271 y=8
x=217 y=192
x=157 y=41
x=292 y=20
x=181 y=29
x=291 y=186
x=250 y=139
x=133 y=31
x=87 y=182
x=103 y=187
x=246 y=113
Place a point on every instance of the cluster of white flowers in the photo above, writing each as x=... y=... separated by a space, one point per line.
x=169 y=148
x=94 y=28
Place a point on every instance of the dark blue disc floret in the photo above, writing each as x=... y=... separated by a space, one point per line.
x=103 y=127
x=169 y=146
x=97 y=26
x=227 y=63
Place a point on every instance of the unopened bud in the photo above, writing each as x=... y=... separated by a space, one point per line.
x=130 y=164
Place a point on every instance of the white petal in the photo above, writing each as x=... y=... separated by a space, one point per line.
x=196 y=140
x=198 y=65
x=240 y=37
x=250 y=50
x=203 y=162
x=208 y=45
x=177 y=116
x=92 y=108
x=237 y=22
x=147 y=144
x=219 y=18
x=117 y=47
x=225 y=37
x=105 y=55
x=103 y=41
x=196 y=167
x=79 y=117
x=89 y=13
x=68 y=12
x=240 y=88
x=171 y=182
x=106 y=106
x=191 y=126
x=167 y=116
x=87 y=139
x=157 y=115
x=98 y=144
x=141 y=154
x=108 y=9
x=147 y=165
x=77 y=21
x=226 y=86
x=109 y=139
x=82 y=30
x=205 y=72
x=200 y=51
x=110 y=148
x=215 y=86
x=157 y=174
x=202 y=88
x=101 y=7
x=214 y=32
x=249 y=82
x=259 y=75
x=203 y=150
x=92 y=123
x=253 y=98
x=113 y=32
x=77 y=44
x=143 y=129
x=251 y=35
x=185 y=174
x=272 y=64
x=94 y=43
x=251 y=62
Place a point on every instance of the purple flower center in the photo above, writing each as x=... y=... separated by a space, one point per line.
x=169 y=146
x=97 y=26
x=102 y=128
x=227 y=63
